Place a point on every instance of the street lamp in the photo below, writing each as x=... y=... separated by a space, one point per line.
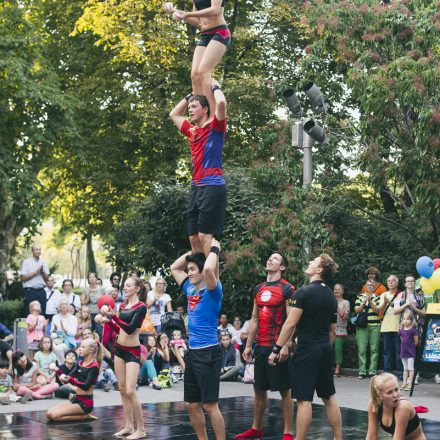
x=305 y=131
x=315 y=95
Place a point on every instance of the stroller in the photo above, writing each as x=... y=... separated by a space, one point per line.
x=171 y=321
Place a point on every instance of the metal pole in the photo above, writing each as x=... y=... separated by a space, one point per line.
x=307 y=159
x=302 y=140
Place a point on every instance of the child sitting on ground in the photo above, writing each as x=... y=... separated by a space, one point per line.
x=44 y=358
x=178 y=347
x=5 y=383
x=229 y=370
x=65 y=390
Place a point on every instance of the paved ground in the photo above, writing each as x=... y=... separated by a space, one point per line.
x=350 y=392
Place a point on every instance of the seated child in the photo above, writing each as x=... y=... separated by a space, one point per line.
x=65 y=390
x=5 y=383
x=178 y=347
x=44 y=358
x=229 y=370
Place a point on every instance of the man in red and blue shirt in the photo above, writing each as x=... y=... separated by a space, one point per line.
x=271 y=306
x=206 y=136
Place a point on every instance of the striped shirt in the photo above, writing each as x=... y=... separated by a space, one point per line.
x=373 y=318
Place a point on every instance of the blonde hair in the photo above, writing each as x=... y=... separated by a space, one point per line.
x=79 y=315
x=409 y=315
x=96 y=348
x=32 y=304
x=376 y=387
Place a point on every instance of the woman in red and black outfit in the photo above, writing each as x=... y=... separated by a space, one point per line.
x=215 y=39
x=128 y=352
x=83 y=378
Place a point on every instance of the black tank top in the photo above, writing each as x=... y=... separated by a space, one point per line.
x=413 y=423
x=205 y=4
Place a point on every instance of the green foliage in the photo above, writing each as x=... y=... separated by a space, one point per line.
x=14 y=290
x=9 y=311
x=389 y=60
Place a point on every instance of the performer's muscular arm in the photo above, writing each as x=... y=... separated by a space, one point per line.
x=332 y=333
x=178 y=269
x=177 y=113
x=210 y=268
x=220 y=101
x=253 y=326
x=287 y=331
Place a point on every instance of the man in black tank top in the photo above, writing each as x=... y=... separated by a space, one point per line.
x=313 y=313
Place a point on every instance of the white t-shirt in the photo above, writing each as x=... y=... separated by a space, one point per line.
x=159 y=307
x=230 y=329
x=70 y=323
x=26 y=377
x=52 y=303
x=30 y=265
x=235 y=335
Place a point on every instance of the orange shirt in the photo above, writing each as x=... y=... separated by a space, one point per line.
x=378 y=290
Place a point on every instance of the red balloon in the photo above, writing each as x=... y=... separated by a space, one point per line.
x=106 y=300
x=436 y=263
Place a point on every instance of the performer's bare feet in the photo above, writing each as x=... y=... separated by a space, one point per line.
x=137 y=435
x=92 y=417
x=122 y=432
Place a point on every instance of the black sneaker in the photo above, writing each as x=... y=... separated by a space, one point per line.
x=362 y=376
x=116 y=386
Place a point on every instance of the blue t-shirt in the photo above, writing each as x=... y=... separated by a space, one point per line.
x=203 y=311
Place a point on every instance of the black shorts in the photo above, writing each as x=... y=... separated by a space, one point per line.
x=266 y=377
x=201 y=380
x=206 y=209
x=128 y=354
x=313 y=371
x=85 y=402
x=218 y=33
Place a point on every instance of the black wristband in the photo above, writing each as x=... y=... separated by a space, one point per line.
x=215 y=250
x=276 y=349
x=216 y=87
x=188 y=96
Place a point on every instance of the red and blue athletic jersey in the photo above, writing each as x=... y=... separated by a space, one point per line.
x=206 y=145
x=270 y=298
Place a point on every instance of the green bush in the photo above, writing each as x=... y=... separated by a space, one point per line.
x=14 y=291
x=9 y=311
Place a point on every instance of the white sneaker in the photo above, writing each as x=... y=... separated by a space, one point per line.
x=437 y=378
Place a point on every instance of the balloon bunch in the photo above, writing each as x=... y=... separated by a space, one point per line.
x=429 y=270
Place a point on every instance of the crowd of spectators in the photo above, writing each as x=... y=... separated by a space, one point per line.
x=59 y=320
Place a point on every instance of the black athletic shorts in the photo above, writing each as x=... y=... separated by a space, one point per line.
x=206 y=209
x=266 y=377
x=219 y=33
x=128 y=354
x=201 y=380
x=85 y=402
x=313 y=371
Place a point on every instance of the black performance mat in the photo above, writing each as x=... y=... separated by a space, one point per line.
x=171 y=421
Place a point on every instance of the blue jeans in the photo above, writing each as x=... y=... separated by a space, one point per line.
x=391 y=348
x=158 y=328
x=107 y=375
x=148 y=370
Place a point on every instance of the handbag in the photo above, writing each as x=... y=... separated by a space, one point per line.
x=360 y=320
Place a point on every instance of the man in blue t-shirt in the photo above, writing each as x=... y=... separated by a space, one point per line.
x=198 y=279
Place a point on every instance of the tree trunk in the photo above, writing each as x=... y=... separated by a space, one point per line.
x=8 y=235
x=91 y=263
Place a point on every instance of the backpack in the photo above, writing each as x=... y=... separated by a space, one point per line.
x=164 y=378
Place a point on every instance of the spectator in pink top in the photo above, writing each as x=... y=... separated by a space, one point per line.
x=36 y=324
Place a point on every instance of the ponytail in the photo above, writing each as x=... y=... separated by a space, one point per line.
x=376 y=387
